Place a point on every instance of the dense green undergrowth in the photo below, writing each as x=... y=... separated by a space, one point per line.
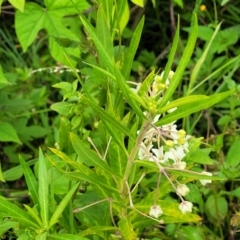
x=119 y=120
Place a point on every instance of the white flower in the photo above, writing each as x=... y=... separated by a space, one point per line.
x=155 y=211
x=179 y=165
x=177 y=154
x=203 y=181
x=159 y=154
x=182 y=190
x=144 y=151
x=185 y=207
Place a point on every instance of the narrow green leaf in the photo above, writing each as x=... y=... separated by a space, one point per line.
x=172 y=53
x=42 y=236
x=190 y=108
x=201 y=60
x=43 y=190
x=106 y=60
x=1 y=174
x=182 y=64
x=79 y=176
x=106 y=117
x=33 y=214
x=88 y=156
x=144 y=87
x=103 y=32
x=16 y=213
x=65 y=236
x=130 y=53
x=62 y=205
x=97 y=230
x=185 y=173
x=131 y=97
x=183 y=101
x=63 y=108
x=30 y=180
x=78 y=166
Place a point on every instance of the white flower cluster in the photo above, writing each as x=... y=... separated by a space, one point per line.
x=165 y=145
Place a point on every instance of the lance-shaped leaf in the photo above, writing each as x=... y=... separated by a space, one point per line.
x=16 y=213
x=88 y=156
x=62 y=205
x=183 y=101
x=43 y=190
x=31 y=180
x=173 y=50
x=190 y=108
x=131 y=51
x=106 y=117
x=182 y=64
x=92 y=178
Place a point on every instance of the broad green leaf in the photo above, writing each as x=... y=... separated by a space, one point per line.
x=63 y=108
x=106 y=117
x=5 y=226
x=66 y=42
x=216 y=207
x=16 y=172
x=19 y=4
x=8 y=133
x=16 y=213
x=179 y=3
x=65 y=236
x=183 y=101
x=88 y=156
x=182 y=64
x=233 y=155
x=190 y=108
x=140 y=3
x=62 y=205
x=30 y=180
x=3 y=81
x=43 y=189
x=131 y=51
x=199 y=156
x=126 y=229
x=42 y=236
x=35 y=18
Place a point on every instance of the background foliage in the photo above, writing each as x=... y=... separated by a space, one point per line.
x=39 y=105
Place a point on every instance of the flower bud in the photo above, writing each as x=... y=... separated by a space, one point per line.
x=203 y=181
x=182 y=190
x=185 y=206
x=155 y=211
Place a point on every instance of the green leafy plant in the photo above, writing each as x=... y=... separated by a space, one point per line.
x=122 y=165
